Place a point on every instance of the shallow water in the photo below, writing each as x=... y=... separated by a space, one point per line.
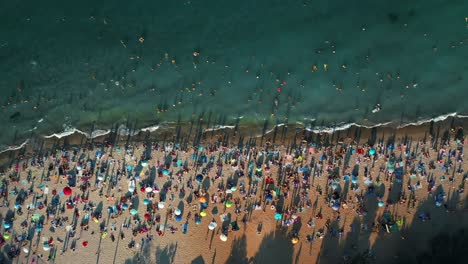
x=72 y=65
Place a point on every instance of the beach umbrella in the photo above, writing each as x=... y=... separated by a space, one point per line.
x=228 y=191
x=100 y=177
x=335 y=186
x=178 y=218
x=269 y=197
x=391 y=170
x=148 y=189
x=142 y=189
x=354 y=179
x=223 y=237
x=198 y=221
x=228 y=203
x=67 y=191
x=199 y=178
x=212 y=225
x=26 y=250
x=177 y=211
x=381 y=203
x=179 y=163
x=160 y=205
x=234 y=188
x=165 y=172
x=204 y=205
x=131 y=188
x=278 y=216
x=85 y=243
x=202 y=199
x=125 y=206
x=46 y=247
x=147 y=216
x=146 y=201
x=133 y=211
x=203 y=214
x=346 y=177
x=38 y=229
x=144 y=163
x=6 y=225
x=336 y=206
x=35 y=217
x=294 y=240
x=372 y=151
x=6 y=236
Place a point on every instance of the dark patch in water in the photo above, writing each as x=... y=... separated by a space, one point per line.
x=393 y=17
x=15 y=116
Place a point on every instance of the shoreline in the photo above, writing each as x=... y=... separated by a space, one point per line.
x=76 y=137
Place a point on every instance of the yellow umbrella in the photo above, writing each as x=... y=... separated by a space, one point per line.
x=203 y=214
x=294 y=240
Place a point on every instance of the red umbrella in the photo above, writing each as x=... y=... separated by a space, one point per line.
x=143 y=189
x=85 y=243
x=67 y=191
x=147 y=216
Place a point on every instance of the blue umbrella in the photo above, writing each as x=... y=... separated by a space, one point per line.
x=269 y=197
x=133 y=211
x=278 y=216
x=336 y=206
x=166 y=172
x=346 y=178
x=125 y=206
x=199 y=178
x=178 y=218
x=381 y=203
x=146 y=201
x=6 y=225
x=198 y=221
x=354 y=179
x=335 y=186
x=372 y=151
x=204 y=205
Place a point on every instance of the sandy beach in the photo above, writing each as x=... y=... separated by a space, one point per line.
x=354 y=196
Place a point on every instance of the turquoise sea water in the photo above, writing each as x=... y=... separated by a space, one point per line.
x=66 y=64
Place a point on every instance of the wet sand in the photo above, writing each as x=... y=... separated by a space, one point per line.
x=354 y=229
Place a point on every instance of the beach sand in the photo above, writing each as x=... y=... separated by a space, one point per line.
x=345 y=236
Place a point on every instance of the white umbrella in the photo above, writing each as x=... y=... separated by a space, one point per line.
x=148 y=189
x=25 y=250
x=160 y=205
x=177 y=211
x=223 y=237
x=212 y=225
x=46 y=247
x=100 y=177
